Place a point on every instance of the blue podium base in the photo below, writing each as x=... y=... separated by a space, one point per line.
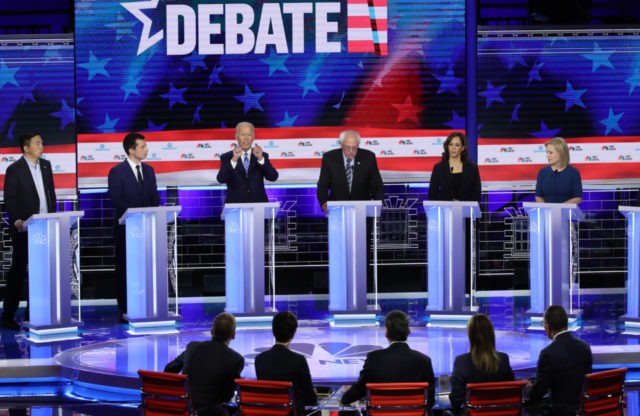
x=52 y=333
x=535 y=320
x=446 y=319
x=154 y=324
x=631 y=325
x=254 y=321
x=352 y=319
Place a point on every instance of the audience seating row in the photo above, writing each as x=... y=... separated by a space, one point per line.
x=168 y=394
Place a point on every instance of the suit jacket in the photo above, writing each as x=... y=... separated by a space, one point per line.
x=465 y=372
x=366 y=182
x=125 y=192
x=212 y=367
x=561 y=368
x=242 y=187
x=394 y=364
x=441 y=183
x=21 y=199
x=281 y=364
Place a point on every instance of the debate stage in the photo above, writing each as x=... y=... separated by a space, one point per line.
x=100 y=366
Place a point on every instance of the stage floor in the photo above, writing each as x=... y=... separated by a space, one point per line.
x=102 y=364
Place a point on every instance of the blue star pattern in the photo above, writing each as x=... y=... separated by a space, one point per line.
x=175 y=95
x=545 y=132
x=572 y=97
x=250 y=99
x=109 y=125
x=95 y=66
x=287 y=121
x=66 y=115
x=449 y=82
x=492 y=94
x=598 y=58
x=611 y=122
x=7 y=75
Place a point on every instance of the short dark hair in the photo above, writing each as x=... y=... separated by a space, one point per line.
x=463 y=139
x=284 y=326
x=129 y=141
x=556 y=318
x=25 y=139
x=397 y=325
x=224 y=326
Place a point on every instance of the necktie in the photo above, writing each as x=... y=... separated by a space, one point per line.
x=139 y=174
x=349 y=172
x=246 y=163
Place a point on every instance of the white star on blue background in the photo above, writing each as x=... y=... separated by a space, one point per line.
x=131 y=87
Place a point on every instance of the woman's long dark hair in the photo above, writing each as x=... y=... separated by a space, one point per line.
x=465 y=153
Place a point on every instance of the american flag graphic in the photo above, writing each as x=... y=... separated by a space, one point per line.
x=367 y=26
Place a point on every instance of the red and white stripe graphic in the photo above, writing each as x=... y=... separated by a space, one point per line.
x=367 y=26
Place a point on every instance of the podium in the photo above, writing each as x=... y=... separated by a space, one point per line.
x=446 y=251
x=550 y=255
x=147 y=277
x=50 y=274
x=244 y=258
x=348 y=258
x=632 y=317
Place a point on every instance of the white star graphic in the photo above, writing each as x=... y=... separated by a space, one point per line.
x=135 y=8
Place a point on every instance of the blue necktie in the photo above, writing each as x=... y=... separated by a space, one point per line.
x=246 y=163
x=349 y=172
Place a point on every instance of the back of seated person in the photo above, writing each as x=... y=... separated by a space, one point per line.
x=281 y=364
x=395 y=364
x=481 y=364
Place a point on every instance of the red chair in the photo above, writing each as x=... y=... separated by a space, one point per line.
x=603 y=393
x=397 y=399
x=265 y=398
x=502 y=398
x=165 y=394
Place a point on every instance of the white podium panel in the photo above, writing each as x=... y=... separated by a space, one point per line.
x=147 y=276
x=244 y=255
x=550 y=253
x=446 y=251
x=632 y=317
x=50 y=273
x=348 y=254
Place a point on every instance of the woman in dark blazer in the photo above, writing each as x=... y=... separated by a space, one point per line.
x=455 y=177
x=481 y=364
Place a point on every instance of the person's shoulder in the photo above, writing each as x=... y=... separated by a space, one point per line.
x=226 y=155
x=463 y=357
x=331 y=153
x=16 y=164
x=366 y=152
x=118 y=166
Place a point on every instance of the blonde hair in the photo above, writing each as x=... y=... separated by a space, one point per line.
x=482 y=340
x=561 y=147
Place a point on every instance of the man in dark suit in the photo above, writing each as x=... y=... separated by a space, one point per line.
x=281 y=364
x=562 y=366
x=212 y=367
x=132 y=184
x=28 y=190
x=365 y=182
x=244 y=168
x=395 y=364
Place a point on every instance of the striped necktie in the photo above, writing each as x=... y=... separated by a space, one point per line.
x=349 y=173
x=246 y=163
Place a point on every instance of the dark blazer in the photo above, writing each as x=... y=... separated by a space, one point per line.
x=561 y=368
x=242 y=188
x=366 y=182
x=212 y=366
x=441 y=184
x=394 y=364
x=465 y=372
x=21 y=199
x=281 y=364
x=125 y=192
